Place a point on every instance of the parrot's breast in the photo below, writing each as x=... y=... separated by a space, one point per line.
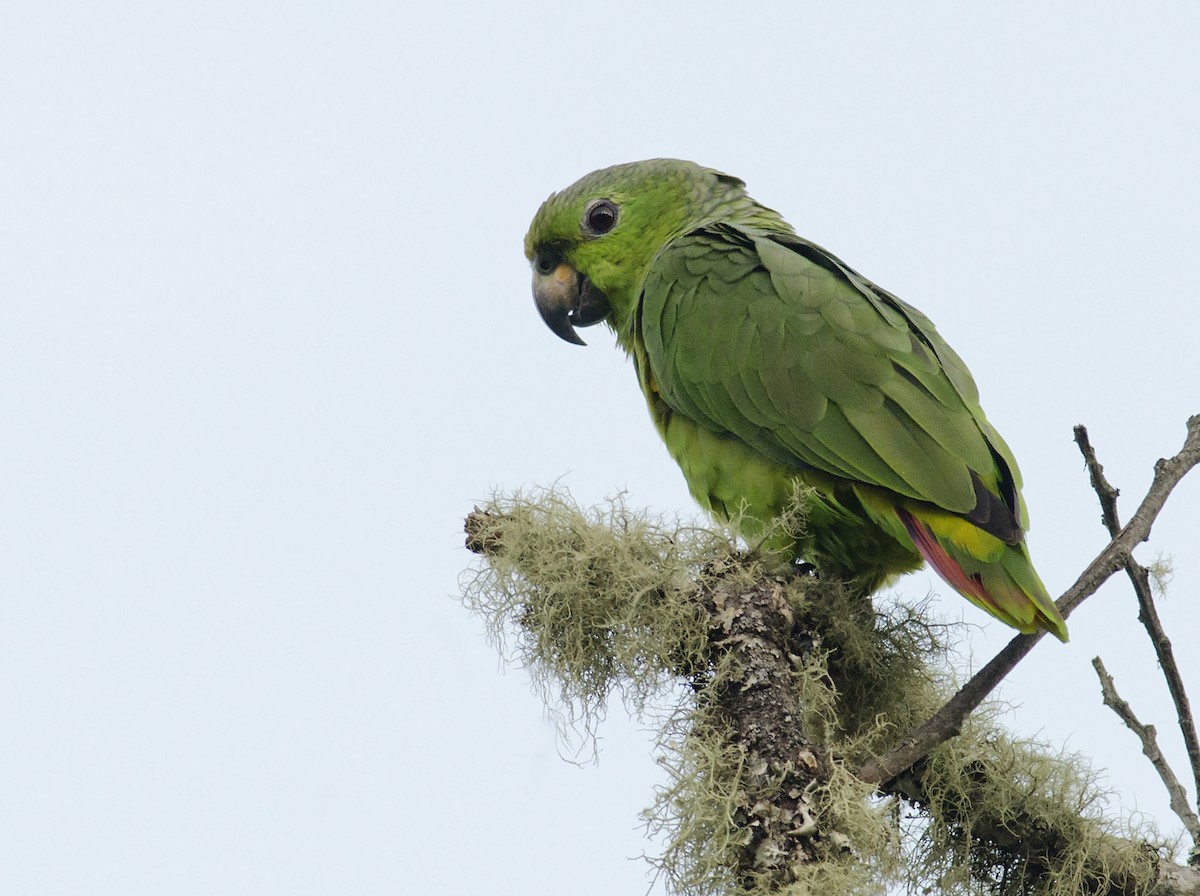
x=728 y=478
x=737 y=484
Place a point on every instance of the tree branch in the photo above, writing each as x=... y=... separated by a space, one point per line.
x=1147 y=612
x=1114 y=866
x=751 y=630
x=1104 y=489
x=1148 y=736
x=947 y=721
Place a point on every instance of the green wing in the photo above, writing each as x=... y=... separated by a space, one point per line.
x=768 y=337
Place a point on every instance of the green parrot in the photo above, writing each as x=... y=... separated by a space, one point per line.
x=765 y=360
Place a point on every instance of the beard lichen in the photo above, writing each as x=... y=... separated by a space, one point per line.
x=592 y=600
x=768 y=687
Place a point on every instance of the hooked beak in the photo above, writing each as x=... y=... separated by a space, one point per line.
x=566 y=300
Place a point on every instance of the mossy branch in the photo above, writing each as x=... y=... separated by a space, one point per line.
x=789 y=684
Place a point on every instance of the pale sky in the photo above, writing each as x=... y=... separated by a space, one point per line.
x=266 y=335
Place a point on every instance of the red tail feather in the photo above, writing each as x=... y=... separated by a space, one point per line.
x=945 y=565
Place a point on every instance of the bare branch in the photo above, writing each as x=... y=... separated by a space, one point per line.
x=1103 y=488
x=1148 y=736
x=1148 y=615
x=1147 y=612
x=947 y=721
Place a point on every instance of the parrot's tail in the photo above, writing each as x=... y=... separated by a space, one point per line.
x=1004 y=584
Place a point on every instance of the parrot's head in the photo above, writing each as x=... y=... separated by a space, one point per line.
x=591 y=244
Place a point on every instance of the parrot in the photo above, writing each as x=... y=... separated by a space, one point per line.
x=767 y=362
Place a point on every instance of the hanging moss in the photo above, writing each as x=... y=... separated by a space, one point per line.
x=592 y=600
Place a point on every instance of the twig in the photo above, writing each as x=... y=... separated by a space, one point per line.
x=947 y=721
x=1100 y=484
x=1147 y=735
x=1147 y=612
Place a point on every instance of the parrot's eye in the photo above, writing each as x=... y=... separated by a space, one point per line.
x=599 y=217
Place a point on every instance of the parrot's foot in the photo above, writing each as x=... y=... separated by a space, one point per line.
x=796 y=569
x=804 y=568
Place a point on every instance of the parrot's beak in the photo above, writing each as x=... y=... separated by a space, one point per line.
x=567 y=300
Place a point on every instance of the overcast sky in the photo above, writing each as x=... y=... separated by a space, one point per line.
x=266 y=335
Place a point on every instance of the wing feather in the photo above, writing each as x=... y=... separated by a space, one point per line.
x=768 y=337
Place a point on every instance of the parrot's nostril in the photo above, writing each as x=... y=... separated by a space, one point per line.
x=545 y=263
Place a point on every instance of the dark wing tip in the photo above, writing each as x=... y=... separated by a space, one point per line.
x=992 y=514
